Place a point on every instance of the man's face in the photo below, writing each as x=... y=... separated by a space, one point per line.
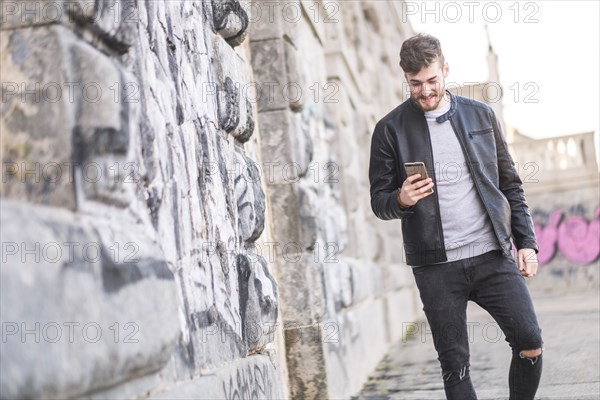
x=427 y=85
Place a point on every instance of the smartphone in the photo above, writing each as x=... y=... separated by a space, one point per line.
x=418 y=167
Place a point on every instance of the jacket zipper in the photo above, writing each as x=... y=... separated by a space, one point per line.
x=437 y=201
x=466 y=153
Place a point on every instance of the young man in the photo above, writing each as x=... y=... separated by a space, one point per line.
x=458 y=237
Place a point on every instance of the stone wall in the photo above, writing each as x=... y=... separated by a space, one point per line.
x=343 y=284
x=185 y=209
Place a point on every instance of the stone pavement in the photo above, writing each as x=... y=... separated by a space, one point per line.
x=571 y=332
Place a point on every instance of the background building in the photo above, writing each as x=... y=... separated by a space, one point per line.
x=561 y=180
x=562 y=186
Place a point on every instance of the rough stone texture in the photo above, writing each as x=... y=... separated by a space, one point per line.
x=230 y=20
x=338 y=267
x=258 y=301
x=278 y=145
x=301 y=289
x=27 y=13
x=362 y=326
x=252 y=377
x=37 y=164
x=87 y=321
x=163 y=174
x=102 y=133
x=250 y=198
x=306 y=356
x=180 y=160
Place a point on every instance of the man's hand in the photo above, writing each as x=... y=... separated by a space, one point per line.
x=528 y=262
x=412 y=191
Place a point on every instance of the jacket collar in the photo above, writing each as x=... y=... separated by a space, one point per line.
x=442 y=118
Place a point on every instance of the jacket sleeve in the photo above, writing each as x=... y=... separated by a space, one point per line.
x=383 y=177
x=511 y=185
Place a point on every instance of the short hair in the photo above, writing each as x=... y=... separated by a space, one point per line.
x=420 y=51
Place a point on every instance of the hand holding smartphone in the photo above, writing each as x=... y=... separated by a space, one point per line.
x=414 y=189
x=413 y=168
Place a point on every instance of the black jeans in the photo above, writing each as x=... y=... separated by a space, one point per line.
x=493 y=281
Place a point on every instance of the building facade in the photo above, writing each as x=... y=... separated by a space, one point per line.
x=562 y=183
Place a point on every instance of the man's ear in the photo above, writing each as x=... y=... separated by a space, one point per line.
x=446 y=70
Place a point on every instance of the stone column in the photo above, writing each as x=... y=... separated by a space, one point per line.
x=344 y=289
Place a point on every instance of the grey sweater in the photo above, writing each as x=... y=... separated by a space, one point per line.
x=467 y=228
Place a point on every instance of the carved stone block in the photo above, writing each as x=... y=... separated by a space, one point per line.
x=233 y=93
x=107 y=115
x=89 y=305
x=251 y=198
x=230 y=20
x=258 y=301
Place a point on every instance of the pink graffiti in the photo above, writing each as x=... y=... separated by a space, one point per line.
x=577 y=239
x=547 y=237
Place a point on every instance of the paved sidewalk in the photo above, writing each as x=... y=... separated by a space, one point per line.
x=571 y=331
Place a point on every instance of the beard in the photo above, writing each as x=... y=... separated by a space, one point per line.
x=429 y=102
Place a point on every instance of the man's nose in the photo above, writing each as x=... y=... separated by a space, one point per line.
x=427 y=89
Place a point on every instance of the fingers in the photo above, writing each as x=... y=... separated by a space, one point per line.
x=424 y=191
x=413 y=178
x=415 y=184
x=425 y=187
x=521 y=263
x=422 y=188
x=531 y=268
x=528 y=263
x=414 y=190
x=524 y=269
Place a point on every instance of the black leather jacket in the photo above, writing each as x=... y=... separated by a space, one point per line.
x=403 y=136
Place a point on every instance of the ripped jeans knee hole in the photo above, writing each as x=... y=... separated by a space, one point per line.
x=533 y=359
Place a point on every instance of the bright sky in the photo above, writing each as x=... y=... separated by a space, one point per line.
x=547 y=51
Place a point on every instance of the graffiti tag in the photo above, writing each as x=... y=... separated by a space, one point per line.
x=574 y=237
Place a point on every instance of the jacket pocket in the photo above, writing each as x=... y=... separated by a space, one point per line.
x=482 y=147
x=481 y=132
